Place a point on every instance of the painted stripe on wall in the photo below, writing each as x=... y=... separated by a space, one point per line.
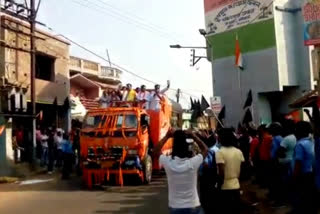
x=253 y=37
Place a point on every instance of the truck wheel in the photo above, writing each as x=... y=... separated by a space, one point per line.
x=147 y=169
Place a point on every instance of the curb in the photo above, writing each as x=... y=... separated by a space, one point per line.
x=4 y=180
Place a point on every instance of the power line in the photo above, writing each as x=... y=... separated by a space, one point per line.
x=133 y=16
x=118 y=66
x=96 y=7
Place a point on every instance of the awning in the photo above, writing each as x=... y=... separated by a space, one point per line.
x=176 y=107
x=306 y=100
x=83 y=81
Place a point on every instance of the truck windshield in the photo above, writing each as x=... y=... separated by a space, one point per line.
x=127 y=121
x=92 y=121
x=130 y=121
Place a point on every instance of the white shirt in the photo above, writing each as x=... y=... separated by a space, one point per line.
x=44 y=141
x=58 y=141
x=182 y=175
x=155 y=99
x=104 y=101
x=144 y=96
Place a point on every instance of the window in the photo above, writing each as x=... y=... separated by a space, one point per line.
x=92 y=121
x=44 y=67
x=119 y=121
x=131 y=121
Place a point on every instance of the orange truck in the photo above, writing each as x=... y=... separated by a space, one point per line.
x=116 y=142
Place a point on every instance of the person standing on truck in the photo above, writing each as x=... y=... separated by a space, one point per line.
x=104 y=100
x=157 y=96
x=144 y=96
x=182 y=171
x=130 y=95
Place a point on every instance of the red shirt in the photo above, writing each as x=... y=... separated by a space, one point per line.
x=265 y=147
x=253 y=147
x=19 y=136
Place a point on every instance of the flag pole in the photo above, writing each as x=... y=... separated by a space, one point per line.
x=214 y=114
x=239 y=75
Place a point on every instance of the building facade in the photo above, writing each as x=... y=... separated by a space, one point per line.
x=88 y=80
x=51 y=85
x=276 y=62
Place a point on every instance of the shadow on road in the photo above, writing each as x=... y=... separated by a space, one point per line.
x=139 y=199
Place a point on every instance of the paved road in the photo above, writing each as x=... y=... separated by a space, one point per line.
x=67 y=197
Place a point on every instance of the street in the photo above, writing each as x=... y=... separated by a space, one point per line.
x=67 y=197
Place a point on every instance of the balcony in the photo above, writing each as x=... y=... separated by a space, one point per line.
x=94 y=71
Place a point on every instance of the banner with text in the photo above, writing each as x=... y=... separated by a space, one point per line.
x=224 y=15
x=311 y=15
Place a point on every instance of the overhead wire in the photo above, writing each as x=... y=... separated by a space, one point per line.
x=133 y=16
x=97 y=8
x=118 y=66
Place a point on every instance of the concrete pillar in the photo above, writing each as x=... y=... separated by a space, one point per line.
x=4 y=168
x=8 y=131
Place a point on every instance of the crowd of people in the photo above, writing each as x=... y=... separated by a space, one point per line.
x=150 y=98
x=54 y=148
x=281 y=157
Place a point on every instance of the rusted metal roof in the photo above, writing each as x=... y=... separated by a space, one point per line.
x=306 y=100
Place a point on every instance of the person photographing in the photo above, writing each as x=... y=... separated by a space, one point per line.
x=182 y=171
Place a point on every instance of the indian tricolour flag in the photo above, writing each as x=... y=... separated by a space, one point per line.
x=238 y=55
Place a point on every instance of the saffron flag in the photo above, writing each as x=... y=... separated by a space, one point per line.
x=238 y=55
x=40 y=115
x=2 y=127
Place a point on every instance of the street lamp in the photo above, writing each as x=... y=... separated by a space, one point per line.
x=187 y=47
x=203 y=32
x=175 y=46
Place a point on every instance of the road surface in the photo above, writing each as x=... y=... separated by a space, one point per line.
x=67 y=197
x=56 y=196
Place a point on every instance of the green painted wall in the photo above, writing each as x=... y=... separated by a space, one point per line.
x=252 y=37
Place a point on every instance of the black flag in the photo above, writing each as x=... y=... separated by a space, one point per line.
x=204 y=103
x=192 y=104
x=249 y=100
x=196 y=110
x=55 y=104
x=315 y=113
x=66 y=104
x=247 y=117
x=222 y=113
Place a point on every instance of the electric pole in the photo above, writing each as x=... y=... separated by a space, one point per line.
x=178 y=95
x=32 y=21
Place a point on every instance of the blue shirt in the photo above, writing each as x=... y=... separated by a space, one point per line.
x=67 y=147
x=304 y=152
x=276 y=141
x=208 y=160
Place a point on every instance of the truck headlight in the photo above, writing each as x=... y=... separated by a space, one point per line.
x=132 y=152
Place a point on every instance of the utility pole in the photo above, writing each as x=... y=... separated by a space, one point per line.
x=108 y=57
x=32 y=21
x=178 y=95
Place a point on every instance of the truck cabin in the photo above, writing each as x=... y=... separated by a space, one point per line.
x=105 y=130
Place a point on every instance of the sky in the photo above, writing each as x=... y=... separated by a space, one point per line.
x=137 y=34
